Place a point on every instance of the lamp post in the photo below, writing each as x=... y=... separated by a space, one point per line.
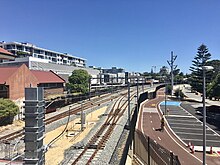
x=204 y=69
x=165 y=100
x=137 y=92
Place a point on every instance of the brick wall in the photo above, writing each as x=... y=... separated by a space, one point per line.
x=53 y=91
x=21 y=79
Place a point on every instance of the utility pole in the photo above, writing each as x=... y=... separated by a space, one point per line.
x=173 y=58
x=129 y=109
x=137 y=92
x=89 y=88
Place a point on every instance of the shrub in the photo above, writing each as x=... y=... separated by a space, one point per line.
x=168 y=89
x=179 y=94
x=8 y=108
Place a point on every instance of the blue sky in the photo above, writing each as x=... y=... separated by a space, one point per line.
x=131 y=34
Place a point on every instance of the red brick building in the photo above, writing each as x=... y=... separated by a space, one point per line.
x=13 y=81
x=52 y=83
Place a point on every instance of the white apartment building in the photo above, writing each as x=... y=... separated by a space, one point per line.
x=29 y=50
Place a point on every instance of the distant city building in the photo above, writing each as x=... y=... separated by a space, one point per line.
x=30 y=50
x=62 y=70
x=13 y=81
x=113 y=70
x=112 y=76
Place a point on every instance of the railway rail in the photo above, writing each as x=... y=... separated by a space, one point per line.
x=97 y=143
x=72 y=111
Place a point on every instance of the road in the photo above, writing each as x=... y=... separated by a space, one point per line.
x=149 y=122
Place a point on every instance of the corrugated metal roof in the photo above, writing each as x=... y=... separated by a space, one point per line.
x=6 y=72
x=47 y=77
x=3 y=51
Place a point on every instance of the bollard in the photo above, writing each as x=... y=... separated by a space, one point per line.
x=189 y=144
x=211 y=151
x=192 y=149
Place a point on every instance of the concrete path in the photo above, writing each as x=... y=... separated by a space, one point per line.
x=197 y=97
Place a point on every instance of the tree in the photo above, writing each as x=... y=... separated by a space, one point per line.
x=178 y=76
x=200 y=60
x=214 y=88
x=168 y=89
x=146 y=74
x=79 y=81
x=8 y=109
x=164 y=71
x=216 y=65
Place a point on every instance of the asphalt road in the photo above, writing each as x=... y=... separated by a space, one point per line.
x=212 y=112
x=187 y=125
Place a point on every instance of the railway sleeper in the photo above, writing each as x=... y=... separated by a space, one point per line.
x=93 y=146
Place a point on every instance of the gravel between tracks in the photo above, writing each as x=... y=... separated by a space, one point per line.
x=112 y=147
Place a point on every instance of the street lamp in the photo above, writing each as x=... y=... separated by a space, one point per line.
x=204 y=69
x=137 y=93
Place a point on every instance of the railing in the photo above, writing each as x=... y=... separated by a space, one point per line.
x=151 y=153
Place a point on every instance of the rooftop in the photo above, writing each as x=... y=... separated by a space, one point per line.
x=3 y=51
x=36 y=47
x=6 y=72
x=47 y=77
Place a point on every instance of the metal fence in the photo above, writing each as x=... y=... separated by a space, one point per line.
x=144 y=148
x=151 y=153
x=11 y=149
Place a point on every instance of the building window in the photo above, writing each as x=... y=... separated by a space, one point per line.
x=19 y=47
x=27 y=49
x=41 y=57
x=54 y=59
x=37 y=51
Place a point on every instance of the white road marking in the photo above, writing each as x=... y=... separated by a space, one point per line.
x=187 y=128
x=159 y=138
x=180 y=116
x=178 y=137
x=151 y=121
x=186 y=124
x=185 y=121
x=189 y=133
x=214 y=141
x=153 y=128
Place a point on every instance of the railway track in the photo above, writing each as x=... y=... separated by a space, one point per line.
x=11 y=136
x=97 y=101
x=97 y=143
